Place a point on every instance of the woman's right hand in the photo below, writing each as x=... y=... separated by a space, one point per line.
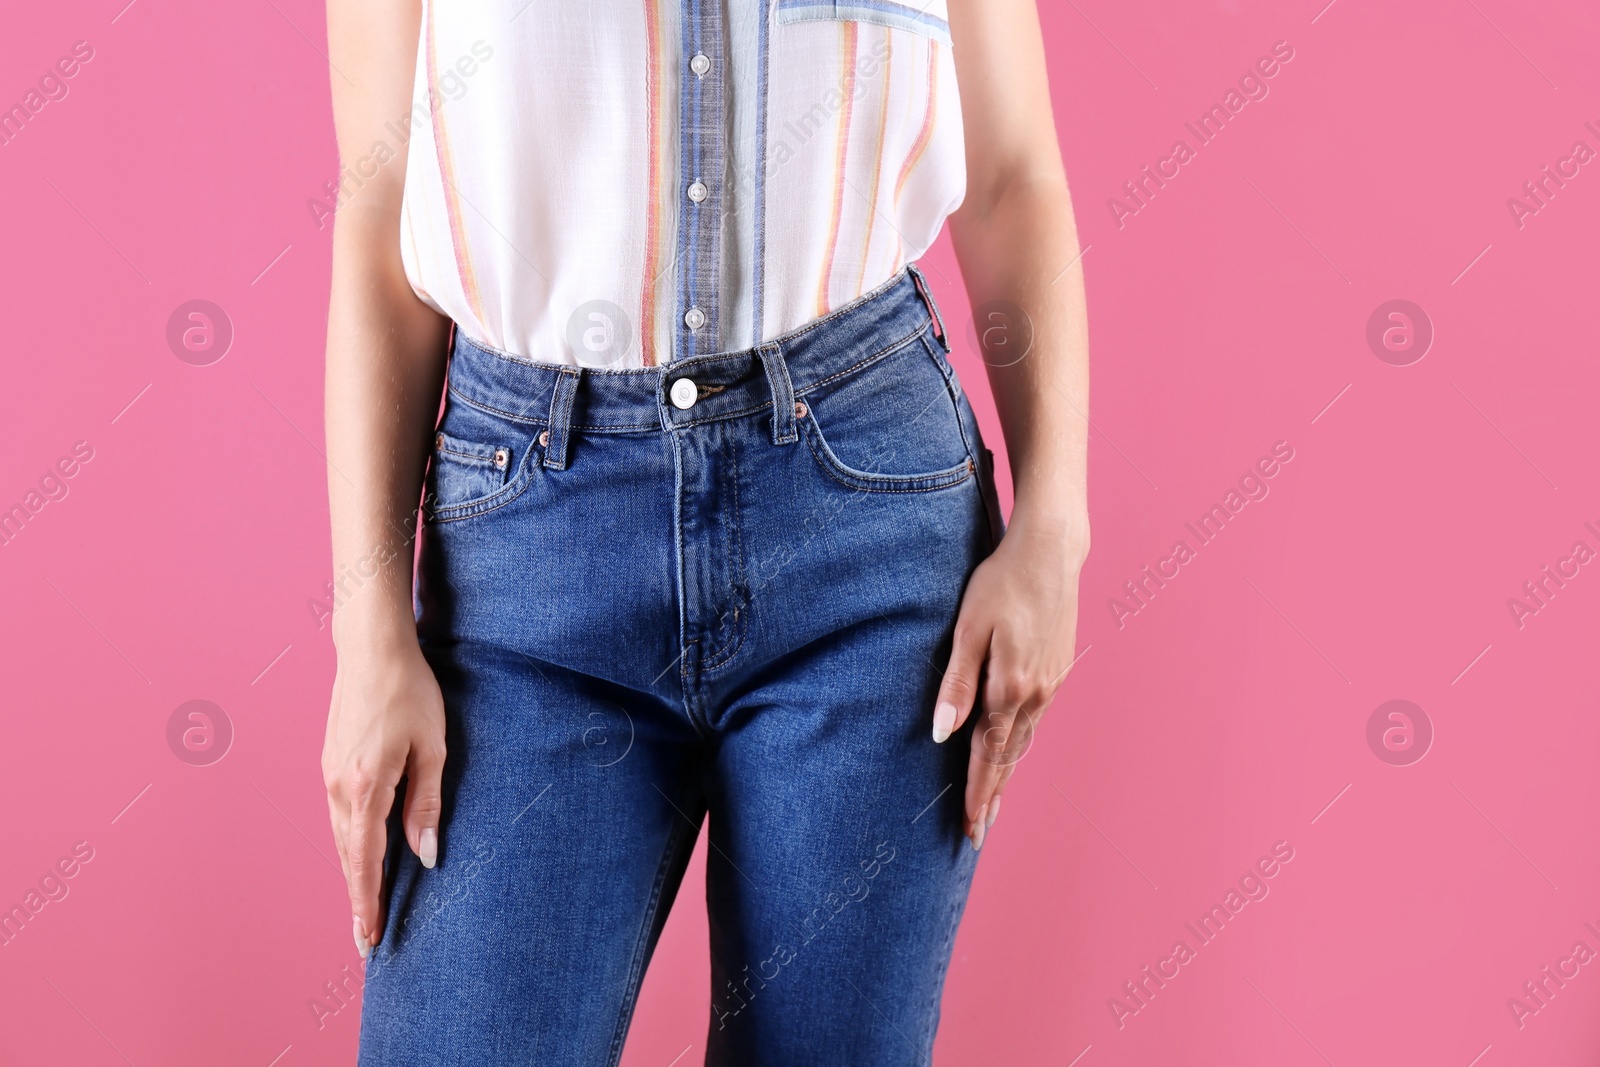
x=386 y=719
x=385 y=379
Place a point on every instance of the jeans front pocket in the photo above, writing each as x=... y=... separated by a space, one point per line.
x=928 y=19
x=893 y=426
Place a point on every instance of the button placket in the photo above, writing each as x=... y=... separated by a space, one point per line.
x=701 y=164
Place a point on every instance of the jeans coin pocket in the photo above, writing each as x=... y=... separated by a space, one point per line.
x=465 y=473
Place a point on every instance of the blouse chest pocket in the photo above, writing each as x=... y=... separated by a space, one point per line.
x=926 y=17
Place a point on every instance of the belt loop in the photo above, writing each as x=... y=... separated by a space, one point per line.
x=782 y=393
x=561 y=397
x=933 y=309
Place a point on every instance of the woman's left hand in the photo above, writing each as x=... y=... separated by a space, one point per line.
x=1015 y=635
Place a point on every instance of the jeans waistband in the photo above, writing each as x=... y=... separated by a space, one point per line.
x=725 y=385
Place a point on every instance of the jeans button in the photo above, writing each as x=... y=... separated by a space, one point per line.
x=684 y=393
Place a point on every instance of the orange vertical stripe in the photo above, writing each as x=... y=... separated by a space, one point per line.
x=841 y=151
x=441 y=143
x=652 y=80
x=926 y=133
x=877 y=155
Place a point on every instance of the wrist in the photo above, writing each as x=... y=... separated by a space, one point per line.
x=1064 y=526
x=374 y=635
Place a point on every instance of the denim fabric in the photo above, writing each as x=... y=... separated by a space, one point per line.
x=642 y=614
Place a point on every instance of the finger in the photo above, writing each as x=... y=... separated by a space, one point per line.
x=1006 y=772
x=959 y=689
x=986 y=766
x=338 y=810
x=1018 y=740
x=365 y=842
x=339 y=819
x=424 y=773
x=992 y=811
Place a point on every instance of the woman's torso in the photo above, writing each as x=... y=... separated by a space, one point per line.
x=581 y=189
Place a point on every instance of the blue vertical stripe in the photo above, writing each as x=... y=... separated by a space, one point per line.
x=689 y=145
x=703 y=158
x=757 y=318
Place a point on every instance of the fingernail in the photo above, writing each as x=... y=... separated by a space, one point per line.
x=430 y=847
x=361 y=939
x=979 y=828
x=944 y=722
x=994 y=813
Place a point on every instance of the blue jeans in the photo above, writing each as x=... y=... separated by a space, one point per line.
x=647 y=602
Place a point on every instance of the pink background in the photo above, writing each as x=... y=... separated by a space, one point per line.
x=1228 y=714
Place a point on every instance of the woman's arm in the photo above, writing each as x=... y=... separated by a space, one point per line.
x=1018 y=246
x=385 y=371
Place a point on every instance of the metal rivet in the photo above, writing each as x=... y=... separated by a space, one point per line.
x=544 y=438
x=799 y=410
x=438 y=440
x=501 y=458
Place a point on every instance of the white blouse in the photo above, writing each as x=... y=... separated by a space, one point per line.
x=622 y=183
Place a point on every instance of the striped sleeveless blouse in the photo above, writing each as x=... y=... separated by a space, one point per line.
x=622 y=183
